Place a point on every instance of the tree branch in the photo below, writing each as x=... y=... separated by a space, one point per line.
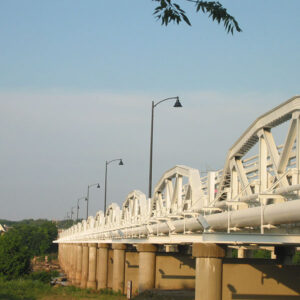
x=168 y=12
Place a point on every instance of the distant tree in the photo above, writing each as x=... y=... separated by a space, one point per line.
x=64 y=224
x=14 y=255
x=168 y=11
x=38 y=236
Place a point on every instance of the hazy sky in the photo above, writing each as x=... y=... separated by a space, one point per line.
x=77 y=79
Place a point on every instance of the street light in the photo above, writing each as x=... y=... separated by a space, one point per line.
x=72 y=212
x=177 y=104
x=105 y=189
x=78 y=206
x=88 y=196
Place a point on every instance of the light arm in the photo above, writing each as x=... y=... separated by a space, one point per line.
x=170 y=98
x=108 y=162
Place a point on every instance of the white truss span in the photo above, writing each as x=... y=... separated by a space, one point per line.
x=251 y=196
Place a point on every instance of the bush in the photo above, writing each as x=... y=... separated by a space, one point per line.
x=14 y=256
x=22 y=242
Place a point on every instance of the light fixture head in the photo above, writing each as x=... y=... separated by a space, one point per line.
x=121 y=162
x=177 y=103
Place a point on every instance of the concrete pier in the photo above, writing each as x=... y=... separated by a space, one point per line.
x=208 y=284
x=74 y=263
x=85 y=266
x=78 y=265
x=91 y=283
x=147 y=265
x=102 y=271
x=119 y=267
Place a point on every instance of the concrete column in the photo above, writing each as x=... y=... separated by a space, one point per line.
x=70 y=273
x=74 y=263
x=61 y=254
x=63 y=261
x=241 y=253
x=84 y=266
x=245 y=253
x=78 y=265
x=67 y=255
x=91 y=284
x=208 y=284
x=147 y=264
x=69 y=258
x=102 y=260
x=229 y=252
x=119 y=267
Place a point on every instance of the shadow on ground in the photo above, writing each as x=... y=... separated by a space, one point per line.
x=166 y=295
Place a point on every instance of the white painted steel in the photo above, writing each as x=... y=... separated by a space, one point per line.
x=250 y=194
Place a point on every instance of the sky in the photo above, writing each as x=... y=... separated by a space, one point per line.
x=77 y=79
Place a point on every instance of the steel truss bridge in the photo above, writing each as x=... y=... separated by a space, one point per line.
x=253 y=199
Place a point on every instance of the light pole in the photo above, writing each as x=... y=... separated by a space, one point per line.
x=177 y=104
x=105 y=189
x=88 y=196
x=72 y=212
x=78 y=207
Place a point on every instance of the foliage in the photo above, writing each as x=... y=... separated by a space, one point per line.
x=20 y=289
x=7 y=222
x=28 y=289
x=296 y=258
x=38 y=237
x=14 y=255
x=23 y=241
x=168 y=11
x=64 y=224
x=261 y=253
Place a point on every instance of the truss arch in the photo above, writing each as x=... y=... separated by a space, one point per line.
x=112 y=217
x=173 y=197
x=271 y=167
x=134 y=208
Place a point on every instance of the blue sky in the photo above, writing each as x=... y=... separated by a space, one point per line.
x=118 y=45
x=77 y=79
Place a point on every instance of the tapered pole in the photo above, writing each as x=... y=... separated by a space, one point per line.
x=87 y=202
x=77 y=210
x=105 y=189
x=151 y=152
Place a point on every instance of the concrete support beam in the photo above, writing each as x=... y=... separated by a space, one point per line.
x=85 y=266
x=119 y=267
x=147 y=263
x=208 y=284
x=78 y=265
x=102 y=270
x=91 y=284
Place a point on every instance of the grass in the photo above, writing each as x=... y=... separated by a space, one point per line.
x=29 y=289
